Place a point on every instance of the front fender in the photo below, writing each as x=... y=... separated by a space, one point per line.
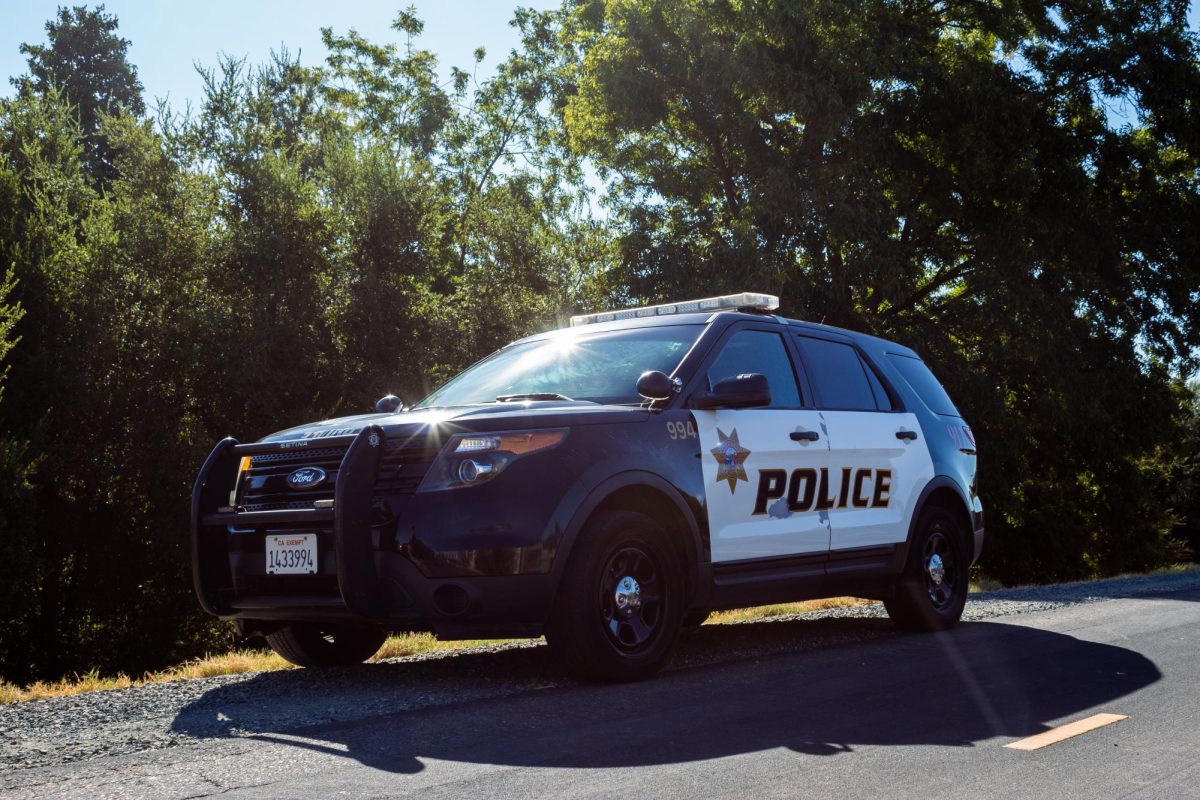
x=577 y=511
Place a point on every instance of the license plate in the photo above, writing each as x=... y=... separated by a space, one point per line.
x=294 y=554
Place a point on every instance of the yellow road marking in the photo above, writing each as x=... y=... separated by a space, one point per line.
x=1066 y=731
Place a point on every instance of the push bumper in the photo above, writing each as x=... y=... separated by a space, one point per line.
x=357 y=579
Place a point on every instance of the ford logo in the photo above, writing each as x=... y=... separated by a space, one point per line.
x=307 y=478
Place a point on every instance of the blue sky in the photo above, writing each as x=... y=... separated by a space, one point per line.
x=169 y=37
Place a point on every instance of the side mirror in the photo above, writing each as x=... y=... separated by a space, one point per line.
x=736 y=391
x=388 y=404
x=655 y=385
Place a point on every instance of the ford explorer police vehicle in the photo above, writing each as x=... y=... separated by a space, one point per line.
x=602 y=485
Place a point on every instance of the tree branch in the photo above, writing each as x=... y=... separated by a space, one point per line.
x=941 y=278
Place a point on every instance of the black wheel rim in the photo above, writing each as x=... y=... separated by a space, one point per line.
x=941 y=570
x=631 y=598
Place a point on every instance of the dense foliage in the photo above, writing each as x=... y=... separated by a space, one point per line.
x=951 y=174
x=1010 y=187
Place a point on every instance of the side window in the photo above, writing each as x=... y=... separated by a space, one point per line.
x=762 y=352
x=924 y=384
x=841 y=378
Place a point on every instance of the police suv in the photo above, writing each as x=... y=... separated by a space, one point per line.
x=603 y=485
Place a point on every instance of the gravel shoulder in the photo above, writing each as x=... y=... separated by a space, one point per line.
x=41 y=733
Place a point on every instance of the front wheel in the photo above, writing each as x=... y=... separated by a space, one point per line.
x=620 y=605
x=932 y=591
x=333 y=644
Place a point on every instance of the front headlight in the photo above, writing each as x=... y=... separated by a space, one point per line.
x=471 y=459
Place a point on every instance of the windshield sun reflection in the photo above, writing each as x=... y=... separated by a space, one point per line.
x=601 y=367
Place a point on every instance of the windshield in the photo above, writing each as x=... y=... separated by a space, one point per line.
x=602 y=367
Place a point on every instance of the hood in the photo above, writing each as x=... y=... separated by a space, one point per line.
x=474 y=419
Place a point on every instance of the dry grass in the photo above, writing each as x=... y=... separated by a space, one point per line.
x=232 y=663
x=763 y=612
x=399 y=645
x=982 y=583
x=91 y=682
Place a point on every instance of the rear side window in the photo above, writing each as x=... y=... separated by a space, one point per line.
x=841 y=378
x=924 y=384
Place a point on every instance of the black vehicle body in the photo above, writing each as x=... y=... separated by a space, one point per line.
x=486 y=561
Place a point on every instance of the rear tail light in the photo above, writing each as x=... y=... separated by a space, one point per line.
x=970 y=436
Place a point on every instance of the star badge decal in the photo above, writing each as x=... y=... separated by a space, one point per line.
x=731 y=458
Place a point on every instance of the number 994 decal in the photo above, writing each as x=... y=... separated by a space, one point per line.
x=681 y=430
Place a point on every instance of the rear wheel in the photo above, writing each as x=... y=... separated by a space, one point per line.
x=333 y=644
x=931 y=593
x=620 y=605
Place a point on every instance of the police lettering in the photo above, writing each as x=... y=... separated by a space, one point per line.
x=809 y=489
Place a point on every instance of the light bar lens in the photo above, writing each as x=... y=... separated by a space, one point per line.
x=755 y=300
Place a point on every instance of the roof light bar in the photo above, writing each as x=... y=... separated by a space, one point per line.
x=747 y=300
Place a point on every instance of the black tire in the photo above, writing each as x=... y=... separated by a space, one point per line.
x=331 y=644
x=620 y=604
x=932 y=591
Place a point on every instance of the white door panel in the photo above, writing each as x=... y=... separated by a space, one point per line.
x=750 y=464
x=879 y=477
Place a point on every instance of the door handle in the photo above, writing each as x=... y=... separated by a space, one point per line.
x=909 y=435
x=804 y=436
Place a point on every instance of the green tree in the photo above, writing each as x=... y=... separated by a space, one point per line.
x=1180 y=489
x=87 y=60
x=19 y=569
x=949 y=174
x=946 y=173
x=310 y=239
x=101 y=389
x=48 y=195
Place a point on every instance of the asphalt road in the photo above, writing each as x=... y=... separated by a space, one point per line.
x=886 y=716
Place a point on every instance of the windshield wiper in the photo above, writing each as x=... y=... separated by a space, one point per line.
x=507 y=398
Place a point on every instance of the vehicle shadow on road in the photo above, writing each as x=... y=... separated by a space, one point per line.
x=842 y=684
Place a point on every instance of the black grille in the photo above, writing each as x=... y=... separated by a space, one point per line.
x=300 y=456
x=403 y=466
x=264 y=486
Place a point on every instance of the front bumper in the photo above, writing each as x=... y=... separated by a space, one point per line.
x=357 y=578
